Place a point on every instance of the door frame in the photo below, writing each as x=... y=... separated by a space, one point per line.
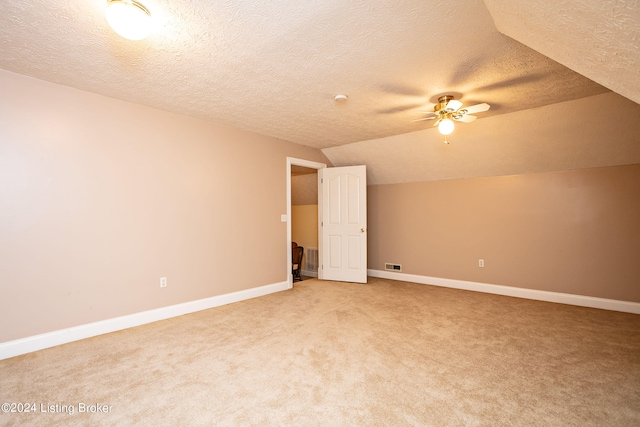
x=293 y=161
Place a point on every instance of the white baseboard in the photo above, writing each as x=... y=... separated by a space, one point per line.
x=63 y=336
x=558 y=297
x=309 y=273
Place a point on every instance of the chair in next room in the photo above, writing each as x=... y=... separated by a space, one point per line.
x=296 y=261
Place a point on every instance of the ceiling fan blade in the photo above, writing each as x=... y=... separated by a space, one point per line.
x=428 y=112
x=478 y=108
x=466 y=118
x=453 y=105
x=437 y=123
x=425 y=118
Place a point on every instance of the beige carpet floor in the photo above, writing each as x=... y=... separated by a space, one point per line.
x=338 y=354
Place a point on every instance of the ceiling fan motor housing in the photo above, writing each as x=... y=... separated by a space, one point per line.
x=442 y=103
x=443 y=112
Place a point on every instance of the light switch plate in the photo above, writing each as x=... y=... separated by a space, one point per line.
x=283 y=217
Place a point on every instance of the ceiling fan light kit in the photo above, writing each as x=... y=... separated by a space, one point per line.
x=448 y=109
x=446 y=126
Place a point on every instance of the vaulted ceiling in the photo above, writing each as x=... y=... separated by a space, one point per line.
x=275 y=67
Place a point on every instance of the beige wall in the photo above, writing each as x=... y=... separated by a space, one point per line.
x=304 y=225
x=575 y=231
x=99 y=198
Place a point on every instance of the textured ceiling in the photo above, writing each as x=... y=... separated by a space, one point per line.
x=301 y=170
x=598 y=39
x=274 y=67
x=304 y=189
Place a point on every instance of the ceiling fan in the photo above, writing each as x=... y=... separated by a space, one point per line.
x=448 y=109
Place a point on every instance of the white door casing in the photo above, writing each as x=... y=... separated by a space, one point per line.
x=342 y=211
x=297 y=162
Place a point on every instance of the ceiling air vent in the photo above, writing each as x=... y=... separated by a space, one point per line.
x=393 y=267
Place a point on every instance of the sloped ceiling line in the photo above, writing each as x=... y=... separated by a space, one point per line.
x=274 y=67
x=598 y=39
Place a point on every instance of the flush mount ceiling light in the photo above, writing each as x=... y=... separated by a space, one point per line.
x=447 y=110
x=129 y=19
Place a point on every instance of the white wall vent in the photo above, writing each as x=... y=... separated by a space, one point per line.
x=311 y=259
x=392 y=267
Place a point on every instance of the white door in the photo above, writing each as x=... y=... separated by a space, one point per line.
x=342 y=212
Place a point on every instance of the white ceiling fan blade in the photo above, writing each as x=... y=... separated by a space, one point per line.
x=453 y=105
x=466 y=119
x=425 y=118
x=478 y=108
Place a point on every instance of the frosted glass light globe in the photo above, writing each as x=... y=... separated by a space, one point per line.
x=129 y=19
x=446 y=126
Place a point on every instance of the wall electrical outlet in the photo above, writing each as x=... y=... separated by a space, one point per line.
x=480 y=263
x=163 y=282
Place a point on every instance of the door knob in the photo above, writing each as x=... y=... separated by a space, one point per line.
x=362 y=230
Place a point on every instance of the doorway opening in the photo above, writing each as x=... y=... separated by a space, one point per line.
x=302 y=188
